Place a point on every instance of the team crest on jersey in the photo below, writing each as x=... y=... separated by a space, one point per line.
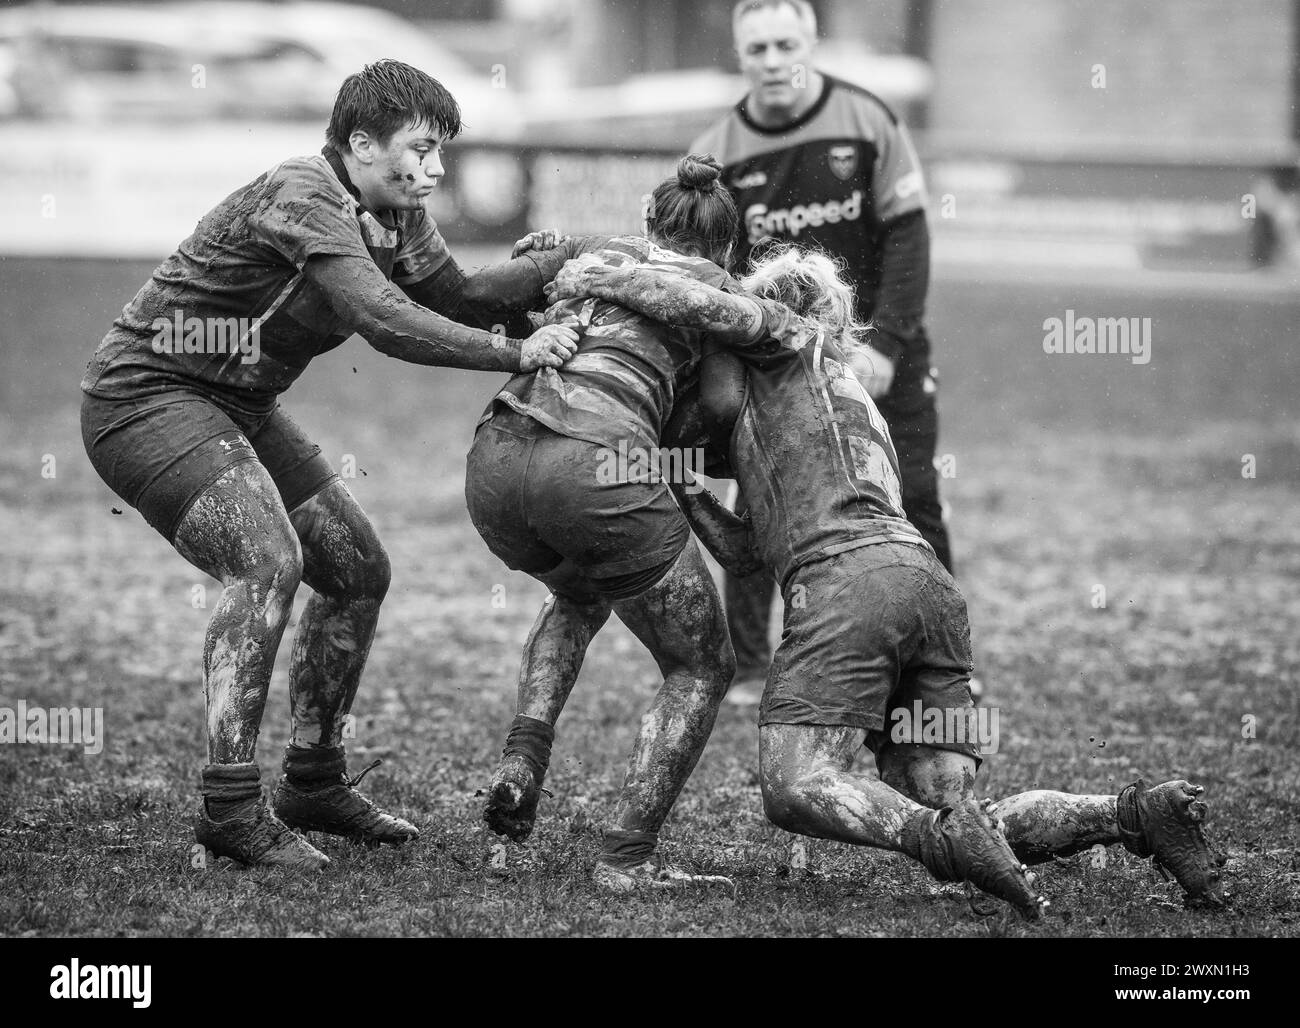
x=751 y=181
x=843 y=161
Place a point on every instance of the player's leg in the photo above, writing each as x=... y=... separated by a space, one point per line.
x=680 y=620
x=1163 y=822
x=499 y=501
x=552 y=658
x=911 y=410
x=238 y=531
x=187 y=466
x=749 y=612
x=348 y=571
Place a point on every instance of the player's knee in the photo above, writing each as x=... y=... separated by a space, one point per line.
x=374 y=573
x=788 y=803
x=272 y=575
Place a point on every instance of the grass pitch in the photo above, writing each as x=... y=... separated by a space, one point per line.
x=1068 y=473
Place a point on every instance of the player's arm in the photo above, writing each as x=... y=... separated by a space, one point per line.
x=904 y=281
x=729 y=538
x=399 y=327
x=520 y=283
x=903 y=241
x=666 y=296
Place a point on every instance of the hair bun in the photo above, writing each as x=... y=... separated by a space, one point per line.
x=698 y=171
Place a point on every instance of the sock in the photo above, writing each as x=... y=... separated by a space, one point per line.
x=1129 y=821
x=626 y=848
x=229 y=789
x=315 y=766
x=531 y=739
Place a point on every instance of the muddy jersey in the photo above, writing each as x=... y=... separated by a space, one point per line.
x=811 y=452
x=230 y=312
x=621 y=384
x=831 y=179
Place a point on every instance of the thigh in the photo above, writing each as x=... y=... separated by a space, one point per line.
x=788 y=752
x=679 y=618
x=295 y=464
x=238 y=528
x=932 y=777
x=160 y=452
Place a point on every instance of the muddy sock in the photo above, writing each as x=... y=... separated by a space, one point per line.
x=625 y=848
x=230 y=789
x=1129 y=820
x=531 y=739
x=314 y=767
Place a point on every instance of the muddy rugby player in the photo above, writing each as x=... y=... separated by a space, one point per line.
x=190 y=432
x=814 y=457
x=536 y=492
x=818 y=161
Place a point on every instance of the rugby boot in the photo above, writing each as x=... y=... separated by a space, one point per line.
x=256 y=837
x=1164 y=823
x=651 y=873
x=315 y=794
x=511 y=807
x=964 y=843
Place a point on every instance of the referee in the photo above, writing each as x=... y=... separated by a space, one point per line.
x=819 y=162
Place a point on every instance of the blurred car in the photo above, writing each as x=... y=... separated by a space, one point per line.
x=665 y=108
x=219 y=59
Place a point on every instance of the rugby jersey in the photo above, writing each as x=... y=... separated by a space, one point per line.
x=811 y=452
x=833 y=178
x=621 y=384
x=245 y=261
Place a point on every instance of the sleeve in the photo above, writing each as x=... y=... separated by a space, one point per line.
x=904 y=281
x=897 y=182
x=306 y=212
x=423 y=252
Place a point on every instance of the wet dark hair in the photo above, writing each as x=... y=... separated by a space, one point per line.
x=386 y=96
x=693 y=212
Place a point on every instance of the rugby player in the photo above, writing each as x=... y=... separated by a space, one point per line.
x=814 y=456
x=189 y=431
x=536 y=494
x=816 y=161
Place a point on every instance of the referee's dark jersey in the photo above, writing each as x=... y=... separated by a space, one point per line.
x=834 y=178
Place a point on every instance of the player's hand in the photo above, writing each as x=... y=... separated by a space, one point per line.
x=542 y=239
x=873 y=369
x=549 y=347
x=575 y=278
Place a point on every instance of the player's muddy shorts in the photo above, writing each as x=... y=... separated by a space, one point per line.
x=867 y=634
x=158 y=452
x=537 y=500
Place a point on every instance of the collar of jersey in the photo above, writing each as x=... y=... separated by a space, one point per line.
x=828 y=85
x=341 y=172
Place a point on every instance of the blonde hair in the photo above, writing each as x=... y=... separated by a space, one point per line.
x=810 y=284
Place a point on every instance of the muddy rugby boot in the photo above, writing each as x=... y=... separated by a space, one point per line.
x=1164 y=823
x=315 y=794
x=963 y=843
x=651 y=873
x=256 y=837
x=511 y=807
